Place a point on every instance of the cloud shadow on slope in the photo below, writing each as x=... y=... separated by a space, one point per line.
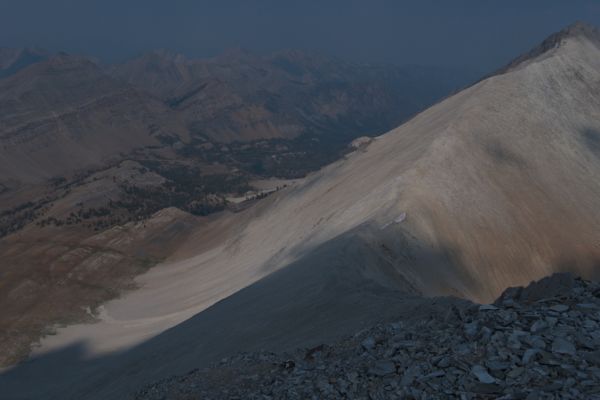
x=503 y=155
x=591 y=140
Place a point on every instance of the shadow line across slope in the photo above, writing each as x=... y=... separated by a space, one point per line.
x=339 y=288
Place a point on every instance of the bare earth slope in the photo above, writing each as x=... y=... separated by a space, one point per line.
x=494 y=187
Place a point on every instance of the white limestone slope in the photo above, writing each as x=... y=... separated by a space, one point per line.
x=500 y=184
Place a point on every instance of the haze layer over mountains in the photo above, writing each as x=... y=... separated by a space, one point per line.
x=62 y=113
x=493 y=187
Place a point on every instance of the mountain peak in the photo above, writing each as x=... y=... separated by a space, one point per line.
x=13 y=60
x=578 y=29
x=165 y=54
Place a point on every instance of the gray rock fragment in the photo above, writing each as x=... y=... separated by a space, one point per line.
x=538 y=326
x=488 y=307
x=368 y=343
x=383 y=368
x=563 y=346
x=529 y=355
x=482 y=374
x=471 y=329
x=559 y=308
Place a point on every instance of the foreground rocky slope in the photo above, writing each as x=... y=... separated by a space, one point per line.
x=541 y=342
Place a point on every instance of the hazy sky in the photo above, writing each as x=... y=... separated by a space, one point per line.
x=482 y=34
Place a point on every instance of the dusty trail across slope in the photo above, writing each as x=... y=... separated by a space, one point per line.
x=497 y=186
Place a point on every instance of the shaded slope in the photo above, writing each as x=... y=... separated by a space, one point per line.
x=314 y=300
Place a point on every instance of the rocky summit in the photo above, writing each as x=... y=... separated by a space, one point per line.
x=538 y=342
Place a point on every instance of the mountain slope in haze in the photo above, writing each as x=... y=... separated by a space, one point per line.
x=13 y=60
x=493 y=187
x=62 y=114
x=243 y=96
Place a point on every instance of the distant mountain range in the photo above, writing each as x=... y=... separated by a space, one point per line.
x=60 y=113
x=242 y=96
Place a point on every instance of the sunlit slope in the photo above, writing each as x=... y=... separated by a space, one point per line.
x=501 y=183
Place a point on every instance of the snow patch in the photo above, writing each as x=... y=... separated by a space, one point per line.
x=400 y=218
